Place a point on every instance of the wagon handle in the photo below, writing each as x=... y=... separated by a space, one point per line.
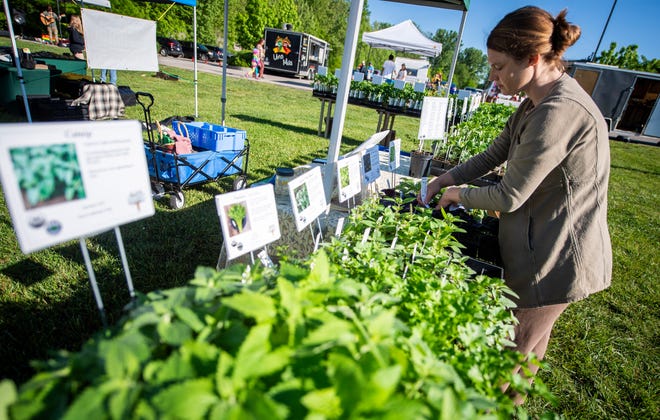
x=146 y=94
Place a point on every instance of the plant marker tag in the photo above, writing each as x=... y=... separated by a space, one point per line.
x=394 y=242
x=340 y=226
x=103 y=181
x=265 y=258
x=424 y=189
x=248 y=219
x=365 y=235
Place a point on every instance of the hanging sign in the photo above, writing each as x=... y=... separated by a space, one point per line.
x=69 y=180
x=371 y=164
x=433 y=118
x=348 y=177
x=307 y=197
x=248 y=219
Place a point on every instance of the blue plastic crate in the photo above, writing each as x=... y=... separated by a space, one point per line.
x=208 y=136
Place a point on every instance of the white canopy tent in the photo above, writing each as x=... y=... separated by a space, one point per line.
x=348 y=60
x=404 y=37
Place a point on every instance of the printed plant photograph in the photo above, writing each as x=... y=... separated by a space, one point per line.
x=344 y=178
x=366 y=162
x=302 y=197
x=47 y=175
x=237 y=218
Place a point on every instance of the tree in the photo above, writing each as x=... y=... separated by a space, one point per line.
x=474 y=68
x=628 y=58
x=442 y=63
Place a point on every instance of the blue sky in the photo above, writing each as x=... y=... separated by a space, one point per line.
x=632 y=22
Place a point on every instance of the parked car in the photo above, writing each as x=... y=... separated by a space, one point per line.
x=216 y=53
x=203 y=53
x=169 y=46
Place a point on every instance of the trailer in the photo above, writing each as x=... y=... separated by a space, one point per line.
x=628 y=99
x=295 y=53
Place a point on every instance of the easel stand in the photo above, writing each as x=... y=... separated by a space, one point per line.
x=92 y=276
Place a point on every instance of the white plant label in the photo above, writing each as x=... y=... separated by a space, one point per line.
x=307 y=197
x=348 y=177
x=68 y=180
x=371 y=164
x=248 y=219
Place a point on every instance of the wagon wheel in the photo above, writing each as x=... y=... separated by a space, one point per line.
x=177 y=200
x=240 y=183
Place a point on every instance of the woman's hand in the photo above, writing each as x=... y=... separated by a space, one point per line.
x=450 y=196
x=434 y=187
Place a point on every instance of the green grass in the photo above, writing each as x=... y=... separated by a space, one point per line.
x=603 y=360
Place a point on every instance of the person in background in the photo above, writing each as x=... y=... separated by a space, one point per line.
x=360 y=67
x=370 y=71
x=261 y=46
x=403 y=72
x=76 y=37
x=388 y=68
x=50 y=19
x=113 y=76
x=254 y=70
x=553 y=231
x=436 y=81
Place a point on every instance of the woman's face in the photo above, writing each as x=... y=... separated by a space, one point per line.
x=512 y=76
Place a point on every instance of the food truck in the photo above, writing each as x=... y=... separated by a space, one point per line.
x=295 y=53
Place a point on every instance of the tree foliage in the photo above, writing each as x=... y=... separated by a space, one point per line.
x=628 y=58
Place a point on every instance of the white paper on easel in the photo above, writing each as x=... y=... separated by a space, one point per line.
x=433 y=118
x=395 y=154
x=371 y=164
x=348 y=177
x=248 y=219
x=68 y=180
x=307 y=197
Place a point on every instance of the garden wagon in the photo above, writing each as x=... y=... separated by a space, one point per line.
x=218 y=152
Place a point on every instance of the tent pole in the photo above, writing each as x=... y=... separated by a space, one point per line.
x=348 y=59
x=456 y=50
x=195 y=56
x=17 y=61
x=224 y=62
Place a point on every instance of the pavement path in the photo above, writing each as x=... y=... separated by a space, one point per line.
x=282 y=80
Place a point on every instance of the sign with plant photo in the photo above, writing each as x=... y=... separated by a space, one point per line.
x=68 y=180
x=248 y=219
x=349 y=181
x=432 y=120
x=395 y=154
x=371 y=164
x=307 y=197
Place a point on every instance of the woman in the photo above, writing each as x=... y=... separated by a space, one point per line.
x=403 y=73
x=76 y=37
x=553 y=197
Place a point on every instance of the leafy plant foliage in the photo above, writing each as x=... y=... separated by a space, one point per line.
x=376 y=325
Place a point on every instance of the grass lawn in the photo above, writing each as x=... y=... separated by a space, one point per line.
x=603 y=360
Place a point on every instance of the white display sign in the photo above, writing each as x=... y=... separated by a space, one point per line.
x=377 y=79
x=349 y=181
x=119 y=42
x=358 y=76
x=307 y=197
x=371 y=164
x=420 y=87
x=69 y=180
x=322 y=71
x=399 y=84
x=433 y=118
x=248 y=219
x=395 y=154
